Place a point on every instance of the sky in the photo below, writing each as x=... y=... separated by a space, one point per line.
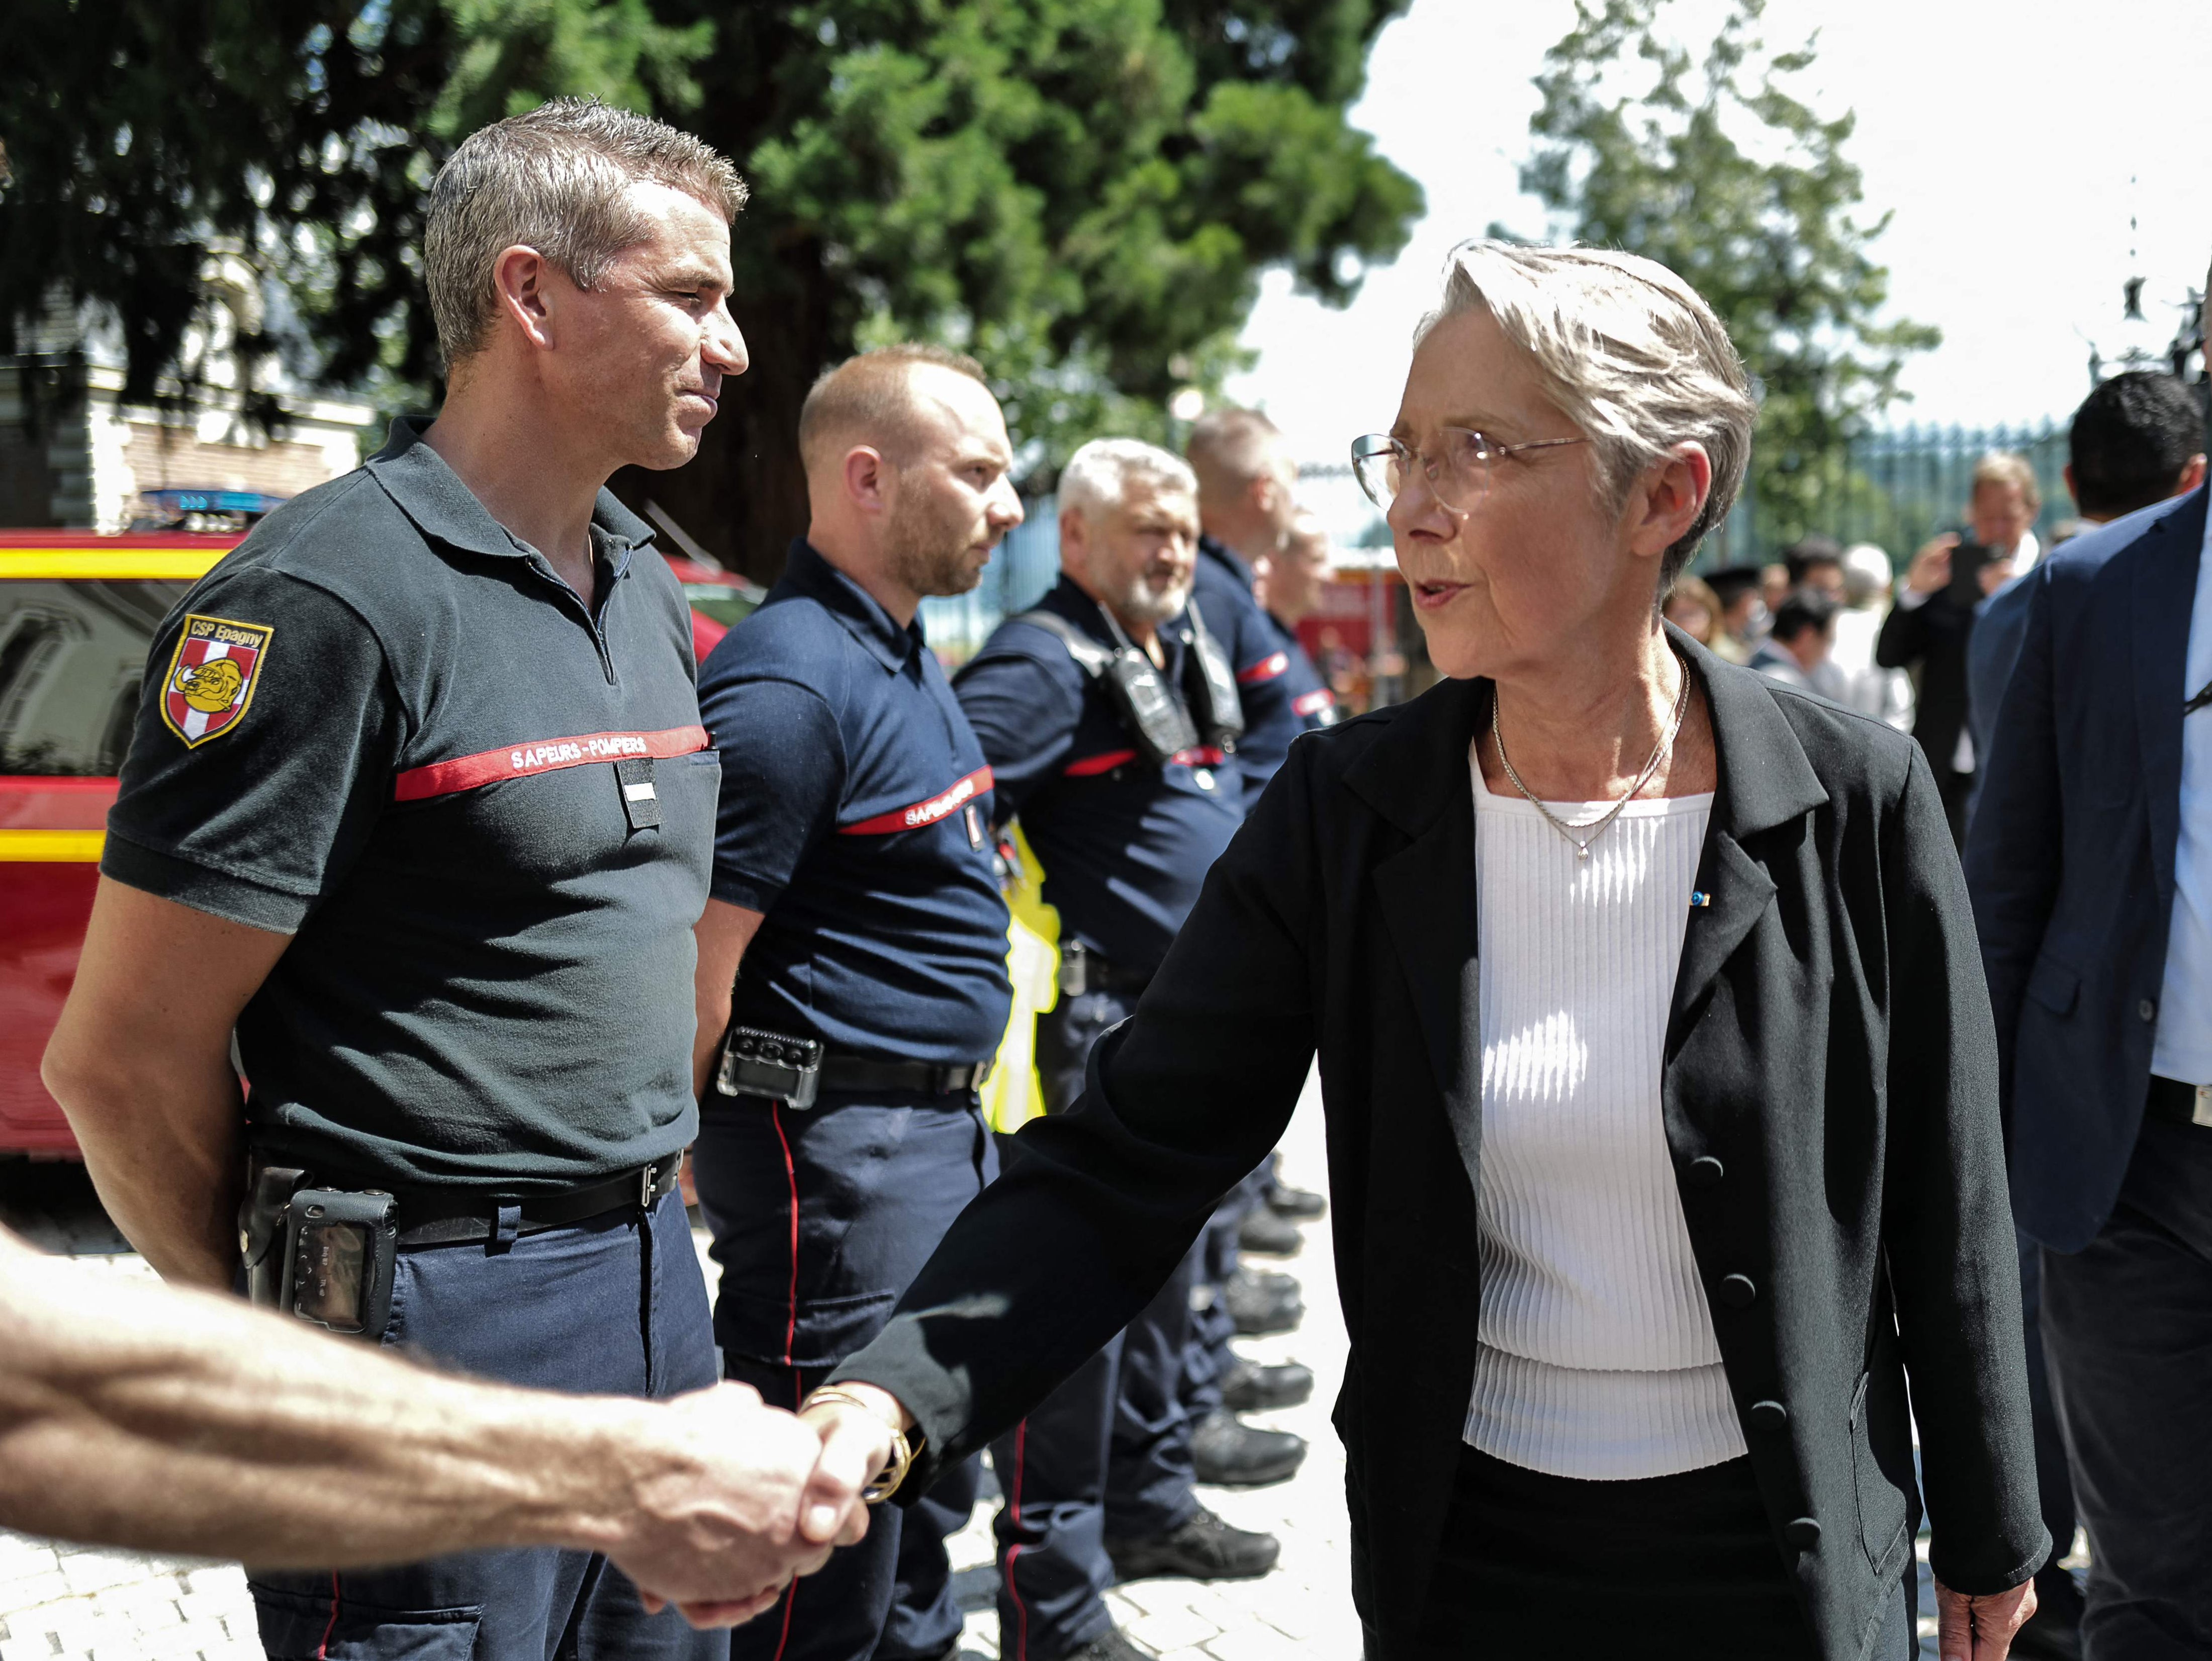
x=2002 y=134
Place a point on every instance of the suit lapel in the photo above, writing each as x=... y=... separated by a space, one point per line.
x=1417 y=778
x=1765 y=781
x=1427 y=894
x=2164 y=591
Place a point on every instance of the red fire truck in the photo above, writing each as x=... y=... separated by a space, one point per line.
x=76 y=613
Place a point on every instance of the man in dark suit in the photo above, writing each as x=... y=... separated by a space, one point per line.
x=2136 y=441
x=2091 y=870
x=1928 y=629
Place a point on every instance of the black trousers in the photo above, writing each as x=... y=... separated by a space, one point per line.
x=1660 y=1567
x=2127 y=1328
x=2054 y=1591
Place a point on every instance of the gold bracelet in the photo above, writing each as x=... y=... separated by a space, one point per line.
x=887 y=1480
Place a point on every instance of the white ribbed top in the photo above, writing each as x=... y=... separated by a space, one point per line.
x=1597 y=1358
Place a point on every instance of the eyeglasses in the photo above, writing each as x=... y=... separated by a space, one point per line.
x=1457 y=470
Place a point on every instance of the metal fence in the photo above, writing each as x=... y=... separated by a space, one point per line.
x=1896 y=489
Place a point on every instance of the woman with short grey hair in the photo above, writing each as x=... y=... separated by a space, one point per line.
x=1661 y=1087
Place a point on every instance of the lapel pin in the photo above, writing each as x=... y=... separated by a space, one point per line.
x=1698 y=897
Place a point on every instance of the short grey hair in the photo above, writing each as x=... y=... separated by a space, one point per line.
x=1231 y=446
x=554 y=178
x=1628 y=351
x=1098 y=476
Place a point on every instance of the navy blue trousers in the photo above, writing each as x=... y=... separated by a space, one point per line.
x=2127 y=1329
x=610 y=1305
x=1207 y=1357
x=821 y=1218
x=1107 y=1454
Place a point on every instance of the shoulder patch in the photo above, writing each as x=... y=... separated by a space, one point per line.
x=212 y=676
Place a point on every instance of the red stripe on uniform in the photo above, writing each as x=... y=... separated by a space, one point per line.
x=922 y=812
x=1091 y=766
x=323 y=1649
x=1321 y=698
x=791 y=1177
x=443 y=778
x=1014 y=1504
x=1266 y=669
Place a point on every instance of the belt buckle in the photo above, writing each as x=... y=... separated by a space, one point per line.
x=2201 y=1114
x=646 y=1179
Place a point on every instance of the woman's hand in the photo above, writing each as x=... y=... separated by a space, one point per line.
x=1970 y=1628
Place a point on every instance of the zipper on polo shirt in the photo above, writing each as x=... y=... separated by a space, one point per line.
x=544 y=567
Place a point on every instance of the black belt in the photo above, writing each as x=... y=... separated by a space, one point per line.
x=1082 y=969
x=2179 y=1104
x=429 y=1217
x=859 y=1075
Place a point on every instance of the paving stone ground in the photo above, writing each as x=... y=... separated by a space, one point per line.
x=61 y=1603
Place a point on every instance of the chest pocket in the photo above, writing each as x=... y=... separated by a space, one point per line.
x=562 y=824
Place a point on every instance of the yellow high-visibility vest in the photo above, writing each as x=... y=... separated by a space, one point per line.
x=1012 y=1095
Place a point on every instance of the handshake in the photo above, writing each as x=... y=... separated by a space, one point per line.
x=715 y=1502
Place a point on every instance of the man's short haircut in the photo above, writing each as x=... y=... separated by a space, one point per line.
x=1867 y=573
x=869 y=400
x=1803 y=555
x=1628 y=352
x=1806 y=608
x=1098 y=476
x=1732 y=582
x=2130 y=439
x=556 y=178
x=1229 y=447
x=2005 y=467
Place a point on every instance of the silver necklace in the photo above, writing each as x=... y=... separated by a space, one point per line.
x=1597 y=827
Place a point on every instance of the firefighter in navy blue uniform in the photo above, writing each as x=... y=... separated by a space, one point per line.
x=1108 y=735
x=1247 y=507
x=420 y=806
x=856 y=906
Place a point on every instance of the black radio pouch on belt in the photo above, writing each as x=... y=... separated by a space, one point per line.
x=339 y=1251
x=1210 y=683
x=774 y=1065
x=1140 y=695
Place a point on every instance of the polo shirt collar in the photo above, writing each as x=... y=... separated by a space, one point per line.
x=864 y=618
x=1227 y=558
x=431 y=493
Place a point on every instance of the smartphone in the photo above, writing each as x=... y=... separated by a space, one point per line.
x=1966 y=562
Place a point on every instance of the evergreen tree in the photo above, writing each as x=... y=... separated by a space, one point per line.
x=1082 y=191
x=1718 y=170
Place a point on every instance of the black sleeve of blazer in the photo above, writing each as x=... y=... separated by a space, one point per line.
x=1946 y=1217
x=1181 y=1102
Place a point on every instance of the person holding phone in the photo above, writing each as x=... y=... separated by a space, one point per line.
x=1928 y=631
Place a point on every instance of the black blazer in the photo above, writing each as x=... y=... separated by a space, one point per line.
x=1931 y=639
x=2071 y=856
x=1831 y=1106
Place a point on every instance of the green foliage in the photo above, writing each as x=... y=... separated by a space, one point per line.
x=298 y=135
x=1083 y=192
x=1718 y=170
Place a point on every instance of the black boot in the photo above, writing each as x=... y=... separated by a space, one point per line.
x=1230 y=1453
x=1204 y=1549
x=1248 y=1387
x=1263 y=1231
x=1109 y=1645
x=1300 y=1205
x=1260 y=1303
